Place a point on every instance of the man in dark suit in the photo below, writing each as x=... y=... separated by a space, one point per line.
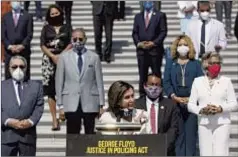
x=103 y=15
x=149 y=32
x=163 y=113
x=236 y=26
x=67 y=8
x=17 y=33
x=22 y=105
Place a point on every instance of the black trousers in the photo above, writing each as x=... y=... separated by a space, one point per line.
x=74 y=121
x=13 y=149
x=7 y=61
x=38 y=8
x=144 y=62
x=67 y=8
x=121 y=10
x=100 y=21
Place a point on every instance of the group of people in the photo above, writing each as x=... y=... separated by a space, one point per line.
x=195 y=109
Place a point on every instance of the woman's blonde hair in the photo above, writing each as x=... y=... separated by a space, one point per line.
x=174 y=53
x=208 y=56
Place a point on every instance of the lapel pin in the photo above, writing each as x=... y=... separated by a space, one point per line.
x=153 y=13
x=162 y=107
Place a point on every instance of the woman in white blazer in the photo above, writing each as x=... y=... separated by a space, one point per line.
x=212 y=99
x=121 y=109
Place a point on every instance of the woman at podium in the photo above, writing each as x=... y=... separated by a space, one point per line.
x=121 y=116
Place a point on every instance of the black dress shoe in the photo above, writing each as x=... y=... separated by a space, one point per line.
x=108 y=59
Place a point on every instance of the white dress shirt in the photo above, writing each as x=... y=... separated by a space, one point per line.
x=220 y=94
x=148 y=106
x=150 y=14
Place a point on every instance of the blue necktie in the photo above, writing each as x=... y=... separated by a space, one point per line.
x=80 y=61
x=20 y=91
x=202 y=43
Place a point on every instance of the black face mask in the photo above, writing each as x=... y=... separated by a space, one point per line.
x=56 y=20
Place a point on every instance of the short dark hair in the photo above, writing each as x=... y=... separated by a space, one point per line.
x=115 y=95
x=203 y=3
x=47 y=17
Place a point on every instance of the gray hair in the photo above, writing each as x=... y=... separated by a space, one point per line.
x=82 y=30
x=18 y=57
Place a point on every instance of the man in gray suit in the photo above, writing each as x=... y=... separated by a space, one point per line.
x=22 y=107
x=79 y=85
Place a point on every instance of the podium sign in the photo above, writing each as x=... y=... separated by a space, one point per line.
x=116 y=145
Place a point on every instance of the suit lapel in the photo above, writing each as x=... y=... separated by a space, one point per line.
x=12 y=20
x=75 y=64
x=26 y=86
x=20 y=19
x=143 y=103
x=152 y=19
x=143 y=19
x=85 y=64
x=161 y=112
x=13 y=92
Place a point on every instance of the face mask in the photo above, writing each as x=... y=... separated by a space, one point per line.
x=18 y=74
x=56 y=20
x=78 y=46
x=148 y=5
x=153 y=92
x=205 y=15
x=16 y=6
x=183 y=50
x=125 y=112
x=214 y=70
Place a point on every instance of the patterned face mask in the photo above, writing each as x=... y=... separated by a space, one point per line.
x=153 y=92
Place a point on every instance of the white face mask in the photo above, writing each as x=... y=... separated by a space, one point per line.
x=18 y=74
x=183 y=50
x=205 y=15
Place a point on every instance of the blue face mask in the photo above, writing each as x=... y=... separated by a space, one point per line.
x=78 y=46
x=148 y=5
x=16 y=6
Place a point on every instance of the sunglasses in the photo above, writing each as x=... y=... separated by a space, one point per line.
x=18 y=66
x=78 y=39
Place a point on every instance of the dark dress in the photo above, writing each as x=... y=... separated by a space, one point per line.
x=56 y=43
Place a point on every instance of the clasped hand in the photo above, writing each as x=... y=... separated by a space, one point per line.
x=19 y=124
x=210 y=110
x=145 y=44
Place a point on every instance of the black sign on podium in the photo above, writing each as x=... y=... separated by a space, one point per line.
x=116 y=145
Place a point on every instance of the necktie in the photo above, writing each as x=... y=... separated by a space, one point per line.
x=202 y=43
x=147 y=19
x=15 y=19
x=80 y=61
x=152 y=118
x=20 y=91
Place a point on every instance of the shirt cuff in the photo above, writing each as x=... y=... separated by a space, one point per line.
x=61 y=106
x=32 y=123
x=9 y=47
x=7 y=121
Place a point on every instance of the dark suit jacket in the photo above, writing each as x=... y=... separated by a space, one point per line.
x=21 y=34
x=168 y=119
x=236 y=26
x=156 y=32
x=31 y=107
x=109 y=6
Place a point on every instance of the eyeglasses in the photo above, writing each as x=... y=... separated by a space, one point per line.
x=18 y=66
x=78 y=39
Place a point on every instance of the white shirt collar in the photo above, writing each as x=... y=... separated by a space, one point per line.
x=156 y=102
